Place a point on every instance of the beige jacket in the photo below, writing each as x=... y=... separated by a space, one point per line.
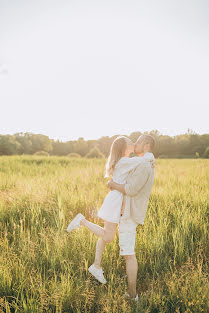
x=138 y=188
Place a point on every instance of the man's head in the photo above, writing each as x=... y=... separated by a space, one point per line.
x=145 y=143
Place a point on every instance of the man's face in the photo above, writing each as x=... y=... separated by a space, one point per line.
x=129 y=147
x=139 y=146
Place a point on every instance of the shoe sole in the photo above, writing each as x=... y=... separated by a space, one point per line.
x=72 y=224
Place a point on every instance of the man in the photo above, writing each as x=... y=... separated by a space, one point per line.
x=136 y=196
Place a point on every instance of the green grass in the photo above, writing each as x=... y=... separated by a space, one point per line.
x=44 y=269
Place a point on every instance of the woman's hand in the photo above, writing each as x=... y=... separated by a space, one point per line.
x=152 y=162
x=110 y=184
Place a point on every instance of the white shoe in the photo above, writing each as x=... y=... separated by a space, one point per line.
x=75 y=223
x=135 y=299
x=97 y=273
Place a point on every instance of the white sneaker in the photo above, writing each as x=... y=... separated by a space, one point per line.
x=135 y=299
x=75 y=223
x=97 y=273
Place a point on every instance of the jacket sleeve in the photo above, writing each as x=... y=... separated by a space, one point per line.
x=128 y=164
x=138 y=179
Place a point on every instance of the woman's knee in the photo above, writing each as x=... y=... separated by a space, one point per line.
x=109 y=231
x=109 y=237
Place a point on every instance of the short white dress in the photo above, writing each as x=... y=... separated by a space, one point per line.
x=111 y=207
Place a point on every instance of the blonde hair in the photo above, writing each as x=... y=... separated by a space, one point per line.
x=117 y=151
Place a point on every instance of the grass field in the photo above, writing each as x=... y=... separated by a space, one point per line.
x=44 y=269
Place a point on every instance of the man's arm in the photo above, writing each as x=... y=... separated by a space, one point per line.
x=138 y=180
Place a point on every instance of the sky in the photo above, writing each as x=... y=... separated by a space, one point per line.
x=71 y=69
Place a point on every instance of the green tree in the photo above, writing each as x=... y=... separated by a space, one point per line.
x=25 y=142
x=40 y=143
x=81 y=146
x=73 y=155
x=206 y=153
x=166 y=145
x=9 y=145
x=62 y=148
x=95 y=153
x=134 y=136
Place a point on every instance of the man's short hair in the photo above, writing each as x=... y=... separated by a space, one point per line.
x=147 y=139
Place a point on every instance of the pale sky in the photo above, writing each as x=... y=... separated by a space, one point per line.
x=71 y=69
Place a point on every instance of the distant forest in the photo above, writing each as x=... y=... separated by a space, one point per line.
x=188 y=145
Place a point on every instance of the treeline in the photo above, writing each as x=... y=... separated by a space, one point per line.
x=188 y=145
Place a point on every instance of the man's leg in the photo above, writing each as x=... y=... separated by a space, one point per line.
x=131 y=270
x=127 y=238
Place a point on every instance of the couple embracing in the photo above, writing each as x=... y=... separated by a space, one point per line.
x=125 y=205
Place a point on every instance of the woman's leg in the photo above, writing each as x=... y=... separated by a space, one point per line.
x=110 y=230
x=106 y=234
x=96 y=229
x=99 y=231
x=100 y=246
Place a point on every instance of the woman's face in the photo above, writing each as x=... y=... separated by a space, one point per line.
x=129 y=147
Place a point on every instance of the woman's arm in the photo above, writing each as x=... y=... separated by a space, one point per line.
x=114 y=186
x=127 y=164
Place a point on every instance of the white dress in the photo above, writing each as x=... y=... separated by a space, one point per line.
x=111 y=207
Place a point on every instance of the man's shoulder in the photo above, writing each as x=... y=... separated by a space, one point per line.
x=145 y=165
x=140 y=169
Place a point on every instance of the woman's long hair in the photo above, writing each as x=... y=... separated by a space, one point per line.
x=117 y=151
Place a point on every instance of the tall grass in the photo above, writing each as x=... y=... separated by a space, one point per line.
x=45 y=269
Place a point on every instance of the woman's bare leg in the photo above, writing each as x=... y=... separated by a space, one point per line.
x=106 y=235
x=100 y=246
x=110 y=230
x=99 y=231
x=96 y=229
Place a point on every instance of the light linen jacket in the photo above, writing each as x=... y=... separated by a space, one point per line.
x=138 y=188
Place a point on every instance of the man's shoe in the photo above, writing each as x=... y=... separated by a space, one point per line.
x=75 y=223
x=135 y=299
x=97 y=273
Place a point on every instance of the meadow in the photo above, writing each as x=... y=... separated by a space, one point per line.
x=44 y=269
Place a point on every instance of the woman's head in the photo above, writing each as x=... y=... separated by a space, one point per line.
x=121 y=146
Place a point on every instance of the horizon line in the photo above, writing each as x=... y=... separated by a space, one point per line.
x=189 y=131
